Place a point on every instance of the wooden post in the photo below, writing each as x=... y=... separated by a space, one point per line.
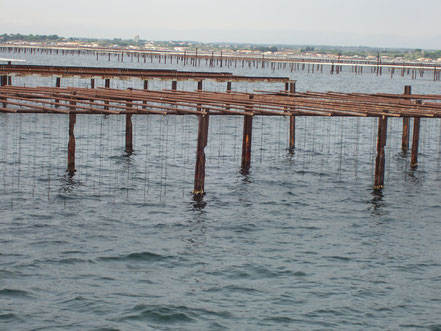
x=228 y=86
x=92 y=83
x=415 y=141
x=246 y=143
x=129 y=134
x=174 y=85
x=200 y=85
x=57 y=85
x=106 y=85
x=71 y=145
x=146 y=87
x=292 y=121
x=4 y=82
x=199 y=174
x=406 y=126
x=380 y=160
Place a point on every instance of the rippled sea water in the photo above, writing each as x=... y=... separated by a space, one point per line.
x=300 y=243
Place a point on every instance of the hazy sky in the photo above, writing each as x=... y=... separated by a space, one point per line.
x=384 y=23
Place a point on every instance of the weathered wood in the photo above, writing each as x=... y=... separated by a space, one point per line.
x=71 y=145
x=199 y=175
x=406 y=124
x=129 y=134
x=4 y=82
x=246 y=143
x=292 y=133
x=380 y=160
x=415 y=143
x=292 y=121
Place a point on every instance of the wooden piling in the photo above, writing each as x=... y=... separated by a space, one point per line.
x=57 y=85
x=292 y=121
x=4 y=82
x=380 y=160
x=146 y=87
x=415 y=142
x=174 y=85
x=106 y=85
x=199 y=175
x=246 y=143
x=129 y=134
x=406 y=126
x=71 y=145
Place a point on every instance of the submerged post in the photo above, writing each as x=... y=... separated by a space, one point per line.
x=129 y=134
x=107 y=85
x=57 y=85
x=380 y=160
x=146 y=87
x=199 y=174
x=71 y=146
x=415 y=141
x=406 y=126
x=246 y=143
x=4 y=82
x=292 y=121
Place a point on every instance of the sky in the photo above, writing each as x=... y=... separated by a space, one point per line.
x=376 y=23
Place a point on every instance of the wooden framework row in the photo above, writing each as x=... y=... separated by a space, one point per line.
x=126 y=73
x=288 y=102
x=194 y=57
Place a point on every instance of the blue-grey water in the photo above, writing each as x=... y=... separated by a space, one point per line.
x=300 y=243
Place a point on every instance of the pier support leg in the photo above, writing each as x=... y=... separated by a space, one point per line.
x=292 y=133
x=146 y=87
x=57 y=85
x=199 y=175
x=71 y=146
x=4 y=82
x=106 y=85
x=129 y=134
x=292 y=120
x=406 y=126
x=380 y=160
x=405 y=136
x=415 y=143
x=246 y=143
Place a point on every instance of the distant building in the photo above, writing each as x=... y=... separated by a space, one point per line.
x=136 y=39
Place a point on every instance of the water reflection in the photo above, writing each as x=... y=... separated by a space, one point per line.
x=69 y=183
x=377 y=203
x=199 y=203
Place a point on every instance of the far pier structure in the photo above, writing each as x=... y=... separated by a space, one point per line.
x=93 y=93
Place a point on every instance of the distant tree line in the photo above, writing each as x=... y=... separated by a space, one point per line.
x=20 y=37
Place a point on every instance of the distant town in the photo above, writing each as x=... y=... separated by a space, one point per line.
x=279 y=50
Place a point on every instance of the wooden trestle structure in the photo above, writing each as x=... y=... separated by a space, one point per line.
x=74 y=101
